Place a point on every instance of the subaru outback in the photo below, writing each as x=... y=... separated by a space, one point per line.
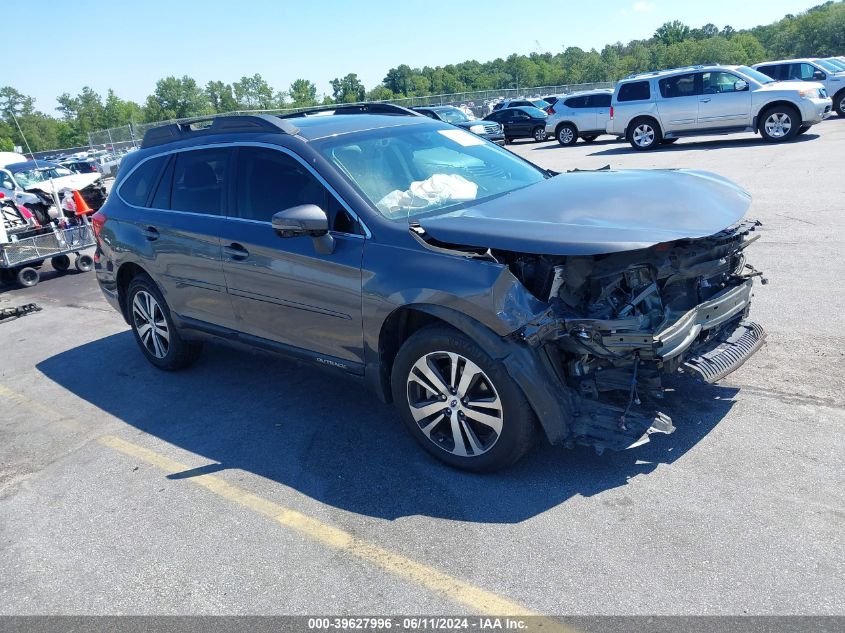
x=489 y=299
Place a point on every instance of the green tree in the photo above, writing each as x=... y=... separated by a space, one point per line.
x=254 y=93
x=303 y=93
x=220 y=96
x=176 y=98
x=348 y=89
x=672 y=33
x=7 y=144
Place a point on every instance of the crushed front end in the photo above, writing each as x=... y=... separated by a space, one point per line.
x=617 y=324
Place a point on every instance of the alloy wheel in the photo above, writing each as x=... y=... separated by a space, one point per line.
x=454 y=403
x=539 y=134
x=565 y=135
x=778 y=124
x=643 y=135
x=150 y=324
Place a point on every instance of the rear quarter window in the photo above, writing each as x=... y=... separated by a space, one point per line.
x=634 y=91
x=138 y=187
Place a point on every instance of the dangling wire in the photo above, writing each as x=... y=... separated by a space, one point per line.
x=633 y=396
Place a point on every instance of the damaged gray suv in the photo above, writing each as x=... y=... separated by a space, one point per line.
x=490 y=300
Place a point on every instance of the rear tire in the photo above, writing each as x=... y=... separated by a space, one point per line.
x=644 y=134
x=60 y=263
x=28 y=277
x=476 y=421
x=779 y=124
x=539 y=134
x=154 y=330
x=566 y=134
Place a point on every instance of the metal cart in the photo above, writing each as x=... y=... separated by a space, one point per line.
x=21 y=258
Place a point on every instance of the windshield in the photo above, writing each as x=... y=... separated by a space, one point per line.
x=756 y=75
x=831 y=68
x=840 y=65
x=28 y=177
x=414 y=170
x=452 y=115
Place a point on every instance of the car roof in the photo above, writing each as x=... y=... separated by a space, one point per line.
x=318 y=127
x=786 y=61
x=528 y=109
x=31 y=164
x=672 y=71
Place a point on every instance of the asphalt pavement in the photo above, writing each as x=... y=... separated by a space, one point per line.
x=249 y=484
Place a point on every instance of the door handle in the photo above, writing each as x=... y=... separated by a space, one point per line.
x=235 y=251
x=151 y=233
x=707 y=100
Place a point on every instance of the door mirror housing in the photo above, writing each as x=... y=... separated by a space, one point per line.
x=305 y=219
x=740 y=85
x=819 y=75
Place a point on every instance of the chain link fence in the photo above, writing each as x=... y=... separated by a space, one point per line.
x=479 y=101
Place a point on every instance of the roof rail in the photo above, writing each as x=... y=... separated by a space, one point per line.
x=668 y=70
x=207 y=126
x=352 y=108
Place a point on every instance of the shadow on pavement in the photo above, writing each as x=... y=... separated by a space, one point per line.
x=690 y=144
x=332 y=440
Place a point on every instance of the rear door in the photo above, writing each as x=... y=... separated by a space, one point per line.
x=179 y=200
x=720 y=103
x=600 y=104
x=678 y=104
x=281 y=288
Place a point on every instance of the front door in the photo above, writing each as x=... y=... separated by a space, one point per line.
x=282 y=289
x=722 y=103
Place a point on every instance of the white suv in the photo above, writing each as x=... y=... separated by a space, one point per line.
x=660 y=107
x=581 y=114
x=830 y=75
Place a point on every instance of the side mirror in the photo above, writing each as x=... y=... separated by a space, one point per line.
x=305 y=219
x=819 y=75
x=740 y=85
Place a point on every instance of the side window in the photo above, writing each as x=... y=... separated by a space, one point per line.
x=634 y=91
x=269 y=181
x=771 y=70
x=807 y=71
x=576 y=102
x=138 y=187
x=719 y=82
x=600 y=101
x=198 y=181
x=677 y=86
x=6 y=181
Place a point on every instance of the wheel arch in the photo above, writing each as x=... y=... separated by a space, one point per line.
x=560 y=124
x=529 y=367
x=774 y=104
x=631 y=124
x=125 y=274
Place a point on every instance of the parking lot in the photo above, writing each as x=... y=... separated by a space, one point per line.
x=250 y=484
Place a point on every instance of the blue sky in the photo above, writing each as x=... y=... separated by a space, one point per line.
x=129 y=45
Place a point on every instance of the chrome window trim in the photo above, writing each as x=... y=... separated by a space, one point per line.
x=234 y=144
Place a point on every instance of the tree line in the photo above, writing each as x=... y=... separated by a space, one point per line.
x=820 y=31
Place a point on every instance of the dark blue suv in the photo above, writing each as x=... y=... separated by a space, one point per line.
x=486 y=297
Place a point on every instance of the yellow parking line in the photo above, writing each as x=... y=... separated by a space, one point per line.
x=479 y=600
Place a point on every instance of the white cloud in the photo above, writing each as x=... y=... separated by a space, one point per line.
x=643 y=7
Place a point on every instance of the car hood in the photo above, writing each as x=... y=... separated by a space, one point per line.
x=74 y=181
x=594 y=212
x=790 y=86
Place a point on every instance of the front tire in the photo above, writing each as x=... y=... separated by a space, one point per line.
x=839 y=103
x=566 y=134
x=779 y=124
x=460 y=404
x=669 y=141
x=644 y=134
x=60 y=263
x=84 y=263
x=153 y=327
x=28 y=277
x=802 y=130
x=589 y=138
